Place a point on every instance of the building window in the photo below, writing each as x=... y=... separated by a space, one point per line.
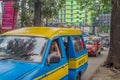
x=77 y=17
x=71 y=6
x=61 y=20
x=86 y=20
x=71 y=10
x=71 y=2
x=71 y=15
x=78 y=8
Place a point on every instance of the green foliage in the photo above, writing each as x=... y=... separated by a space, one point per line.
x=16 y=6
x=104 y=5
x=49 y=9
x=26 y=13
x=105 y=28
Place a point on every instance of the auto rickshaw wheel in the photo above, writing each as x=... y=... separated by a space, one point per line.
x=78 y=76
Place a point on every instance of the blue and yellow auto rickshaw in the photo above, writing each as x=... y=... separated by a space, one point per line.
x=24 y=54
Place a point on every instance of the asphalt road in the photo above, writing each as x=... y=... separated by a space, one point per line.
x=94 y=63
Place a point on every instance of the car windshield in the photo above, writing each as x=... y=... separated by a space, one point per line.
x=21 y=48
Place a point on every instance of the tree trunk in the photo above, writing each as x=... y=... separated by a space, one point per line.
x=113 y=59
x=23 y=6
x=37 y=13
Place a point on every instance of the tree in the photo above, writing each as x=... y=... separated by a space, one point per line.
x=48 y=8
x=23 y=6
x=113 y=59
x=33 y=11
x=26 y=13
x=51 y=8
x=37 y=12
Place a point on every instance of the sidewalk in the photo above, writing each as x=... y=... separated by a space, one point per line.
x=94 y=64
x=105 y=74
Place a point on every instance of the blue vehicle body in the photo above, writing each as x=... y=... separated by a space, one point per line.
x=71 y=66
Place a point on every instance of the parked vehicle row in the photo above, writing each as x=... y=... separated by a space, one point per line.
x=94 y=44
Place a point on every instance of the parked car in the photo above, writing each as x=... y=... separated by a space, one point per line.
x=93 y=47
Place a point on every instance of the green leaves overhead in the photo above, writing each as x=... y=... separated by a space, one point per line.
x=104 y=5
x=49 y=8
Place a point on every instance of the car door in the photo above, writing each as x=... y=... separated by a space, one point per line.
x=58 y=70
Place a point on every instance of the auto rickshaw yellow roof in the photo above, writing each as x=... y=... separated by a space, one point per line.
x=48 y=32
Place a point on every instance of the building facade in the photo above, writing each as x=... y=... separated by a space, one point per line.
x=71 y=13
x=105 y=19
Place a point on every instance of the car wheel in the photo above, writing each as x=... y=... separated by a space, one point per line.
x=99 y=53
x=102 y=48
x=96 y=54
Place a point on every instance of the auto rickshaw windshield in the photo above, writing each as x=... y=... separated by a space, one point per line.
x=22 y=48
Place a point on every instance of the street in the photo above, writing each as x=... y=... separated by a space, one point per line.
x=94 y=63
